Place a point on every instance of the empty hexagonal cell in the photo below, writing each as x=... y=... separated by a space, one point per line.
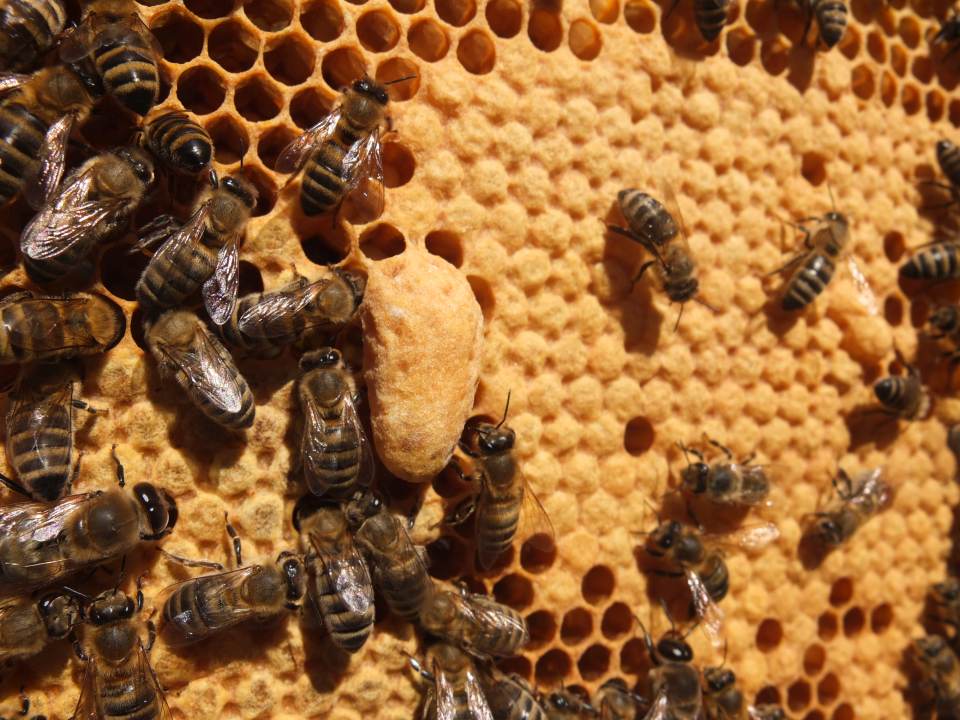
x=483 y=294
x=398 y=164
x=180 y=37
x=594 y=662
x=769 y=635
x=910 y=99
x=322 y=19
x=382 y=241
x=881 y=618
x=514 y=590
x=401 y=76
x=545 y=29
x=378 y=31
x=841 y=592
x=576 y=627
x=814 y=659
x=233 y=47
x=888 y=88
x=428 y=40
x=542 y=627
x=447 y=554
x=640 y=16
x=229 y=137
x=269 y=15
x=585 y=40
x=456 y=12
x=272 y=142
x=814 y=715
x=617 y=620
x=935 y=105
x=289 y=59
x=308 y=107
x=201 y=90
x=504 y=17
x=893 y=310
x=877 y=47
x=798 y=695
x=266 y=189
x=844 y=711
x=894 y=246
x=257 y=99
x=741 y=46
x=768 y=695
x=476 y=52
x=342 y=66
x=407 y=6
x=605 y=11
x=448 y=245
x=827 y=626
x=597 y=584
x=120 y=270
x=638 y=436
x=210 y=8
x=518 y=665
x=862 y=81
x=898 y=60
x=538 y=552
x=552 y=668
x=634 y=659
x=828 y=689
x=251 y=281
x=853 y=621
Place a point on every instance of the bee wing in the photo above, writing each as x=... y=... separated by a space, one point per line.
x=267 y=318
x=313 y=447
x=43 y=181
x=673 y=206
x=97 y=30
x=489 y=614
x=11 y=81
x=756 y=537
x=535 y=525
x=207 y=372
x=294 y=155
x=220 y=289
x=24 y=330
x=187 y=234
x=350 y=575
x=87 y=702
x=661 y=707
x=147 y=677
x=865 y=294
x=40 y=410
x=710 y=614
x=363 y=168
x=176 y=631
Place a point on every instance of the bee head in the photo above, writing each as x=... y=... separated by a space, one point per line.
x=366 y=86
x=138 y=161
x=327 y=357
x=672 y=648
x=111 y=606
x=295 y=575
x=493 y=440
x=663 y=538
x=240 y=189
x=357 y=283
x=683 y=289
x=719 y=679
x=159 y=508
x=364 y=504
x=60 y=614
x=695 y=477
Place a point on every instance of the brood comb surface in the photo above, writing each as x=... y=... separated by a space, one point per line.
x=521 y=125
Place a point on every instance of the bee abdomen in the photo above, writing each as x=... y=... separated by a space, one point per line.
x=129 y=71
x=711 y=16
x=808 y=282
x=28 y=28
x=179 y=142
x=832 y=19
x=948 y=156
x=496 y=528
x=168 y=283
x=127 y=697
x=716 y=578
x=892 y=392
x=323 y=186
x=21 y=135
x=938 y=262
x=348 y=628
x=404 y=586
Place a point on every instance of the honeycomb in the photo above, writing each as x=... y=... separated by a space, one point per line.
x=510 y=144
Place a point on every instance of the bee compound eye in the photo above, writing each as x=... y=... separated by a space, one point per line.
x=159 y=507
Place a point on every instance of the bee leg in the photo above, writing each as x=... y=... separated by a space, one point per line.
x=617 y=230
x=189 y=562
x=121 y=474
x=724 y=448
x=235 y=537
x=14 y=485
x=461 y=512
x=643 y=269
x=78 y=648
x=76 y=472
x=81 y=405
x=151 y=635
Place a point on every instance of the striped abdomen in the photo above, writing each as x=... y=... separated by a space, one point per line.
x=808 y=281
x=832 y=20
x=498 y=516
x=324 y=181
x=230 y=330
x=28 y=28
x=21 y=135
x=56 y=267
x=348 y=628
x=40 y=448
x=233 y=418
x=168 y=282
x=903 y=395
x=335 y=469
x=502 y=638
x=937 y=262
x=646 y=216
x=128 y=70
x=125 y=693
x=948 y=157
x=462 y=702
x=179 y=142
x=16 y=346
x=711 y=16
x=716 y=578
x=199 y=608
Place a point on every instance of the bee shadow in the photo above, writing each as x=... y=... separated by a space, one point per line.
x=867 y=424
x=779 y=321
x=325 y=664
x=664 y=587
x=811 y=550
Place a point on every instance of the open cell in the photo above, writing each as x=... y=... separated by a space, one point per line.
x=269 y=15
x=401 y=76
x=476 y=52
x=598 y=584
x=229 y=137
x=447 y=557
x=542 y=627
x=576 y=627
x=266 y=189
x=585 y=40
x=828 y=689
x=408 y=7
x=514 y=590
x=233 y=47
x=382 y=241
x=552 y=667
x=428 y=40
x=180 y=37
x=322 y=20
x=504 y=17
x=456 y=12
x=251 y=281
x=378 y=31
x=448 y=245
x=398 y=165
x=841 y=592
x=769 y=635
x=827 y=626
x=638 y=436
x=328 y=246
x=881 y=618
x=201 y=90
x=545 y=29
x=342 y=66
x=617 y=620
x=257 y=99
x=120 y=270
x=594 y=662
x=308 y=107
x=210 y=9
x=271 y=144
x=290 y=60
x=484 y=295
x=605 y=11
x=853 y=621
x=640 y=16
x=799 y=695
x=814 y=659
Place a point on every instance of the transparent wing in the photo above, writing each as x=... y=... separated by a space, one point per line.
x=476 y=700
x=42 y=182
x=363 y=169
x=146 y=683
x=294 y=155
x=39 y=411
x=870 y=484
x=672 y=204
x=29 y=326
x=314 y=447
x=209 y=373
x=491 y=615
x=444 y=696
x=756 y=537
x=661 y=707
x=11 y=81
x=350 y=575
x=87 y=702
x=220 y=289
x=178 y=630
x=711 y=616
x=98 y=30
x=268 y=318
x=187 y=234
x=865 y=294
x=535 y=525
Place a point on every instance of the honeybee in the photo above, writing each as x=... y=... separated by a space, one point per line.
x=28 y=28
x=263 y=322
x=614 y=701
x=903 y=396
x=334 y=449
x=512 y=698
x=342 y=151
x=123 y=50
x=89 y=208
x=941 y=673
x=674 y=681
x=40 y=431
x=766 y=711
x=722 y=699
x=27 y=626
x=118 y=681
x=704 y=568
x=857 y=501
x=202 y=251
x=476 y=623
x=725 y=483
x=89 y=529
x=710 y=16
x=831 y=18
x=457 y=693
x=938 y=261
x=189 y=353
x=502 y=497
x=945 y=603
x=179 y=142
x=36 y=118
x=657 y=229
x=949 y=33
x=339 y=586
x=565 y=704
x=399 y=572
x=944 y=324
x=48 y=328
x=201 y=607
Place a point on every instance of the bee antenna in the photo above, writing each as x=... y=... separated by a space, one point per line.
x=123 y=567
x=833 y=203
x=505 y=409
x=76 y=594
x=707 y=305
x=401 y=79
x=214 y=179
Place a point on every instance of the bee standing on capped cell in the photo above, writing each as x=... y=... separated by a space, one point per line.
x=123 y=50
x=456 y=693
x=91 y=207
x=334 y=450
x=201 y=607
x=265 y=322
x=118 y=681
x=40 y=431
x=725 y=483
x=938 y=261
x=339 y=582
x=903 y=396
x=48 y=328
x=399 y=572
x=674 y=681
x=28 y=28
x=189 y=353
x=178 y=142
x=831 y=18
x=858 y=500
x=342 y=151
x=28 y=625
x=940 y=668
x=201 y=252
x=90 y=529
x=502 y=498
x=476 y=623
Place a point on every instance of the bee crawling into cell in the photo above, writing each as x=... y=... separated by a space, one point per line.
x=948 y=34
x=903 y=397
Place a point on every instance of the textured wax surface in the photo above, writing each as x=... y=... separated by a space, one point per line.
x=510 y=146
